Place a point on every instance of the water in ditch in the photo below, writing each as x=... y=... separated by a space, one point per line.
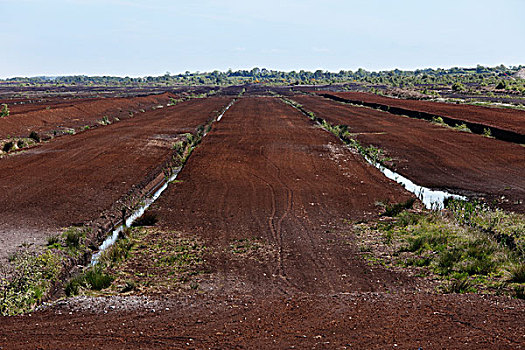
x=108 y=242
x=227 y=107
x=432 y=199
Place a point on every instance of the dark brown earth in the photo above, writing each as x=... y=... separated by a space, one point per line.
x=506 y=119
x=75 y=178
x=57 y=114
x=434 y=156
x=265 y=173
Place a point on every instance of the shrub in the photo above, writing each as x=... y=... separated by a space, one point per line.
x=458 y=87
x=8 y=146
x=462 y=127
x=520 y=292
x=396 y=209
x=462 y=285
x=517 y=273
x=30 y=279
x=34 y=135
x=4 y=110
x=53 y=241
x=94 y=278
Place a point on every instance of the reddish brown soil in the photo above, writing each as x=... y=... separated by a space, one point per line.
x=266 y=172
x=338 y=321
x=56 y=114
x=507 y=119
x=75 y=178
x=435 y=156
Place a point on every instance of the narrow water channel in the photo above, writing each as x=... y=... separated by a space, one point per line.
x=432 y=199
x=108 y=242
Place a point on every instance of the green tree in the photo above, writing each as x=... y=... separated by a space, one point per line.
x=502 y=85
x=458 y=87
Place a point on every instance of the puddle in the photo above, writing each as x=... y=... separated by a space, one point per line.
x=108 y=242
x=432 y=199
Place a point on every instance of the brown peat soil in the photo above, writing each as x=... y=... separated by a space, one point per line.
x=271 y=199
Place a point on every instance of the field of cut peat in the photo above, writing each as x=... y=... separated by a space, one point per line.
x=76 y=178
x=506 y=124
x=266 y=174
x=255 y=245
x=56 y=115
x=432 y=155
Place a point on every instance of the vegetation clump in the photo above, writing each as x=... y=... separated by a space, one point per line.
x=8 y=146
x=93 y=278
x=4 y=110
x=27 y=280
x=468 y=245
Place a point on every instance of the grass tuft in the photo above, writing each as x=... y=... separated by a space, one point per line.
x=517 y=273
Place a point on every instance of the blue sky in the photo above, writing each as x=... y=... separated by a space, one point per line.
x=137 y=38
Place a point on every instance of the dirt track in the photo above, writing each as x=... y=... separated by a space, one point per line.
x=505 y=119
x=75 y=178
x=435 y=156
x=56 y=114
x=265 y=173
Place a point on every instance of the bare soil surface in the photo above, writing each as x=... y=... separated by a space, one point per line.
x=506 y=119
x=75 y=178
x=267 y=175
x=57 y=114
x=435 y=156
x=338 y=321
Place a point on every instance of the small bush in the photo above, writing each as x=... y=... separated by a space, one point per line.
x=34 y=135
x=397 y=208
x=93 y=279
x=73 y=238
x=462 y=127
x=53 y=241
x=128 y=287
x=438 y=120
x=517 y=273
x=462 y=285
x=96 y=279
x=519 y=292
x=8 y=146
x=4 y=110
x=458 y=87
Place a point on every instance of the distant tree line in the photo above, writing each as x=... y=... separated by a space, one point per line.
x=397 y=78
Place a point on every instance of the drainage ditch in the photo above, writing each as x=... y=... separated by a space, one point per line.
x=113 y=237
x=432 y=199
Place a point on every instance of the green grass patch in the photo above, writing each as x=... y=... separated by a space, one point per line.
x=94 y=278
x=149 y=260
x=469 y=246
x=27 y=280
